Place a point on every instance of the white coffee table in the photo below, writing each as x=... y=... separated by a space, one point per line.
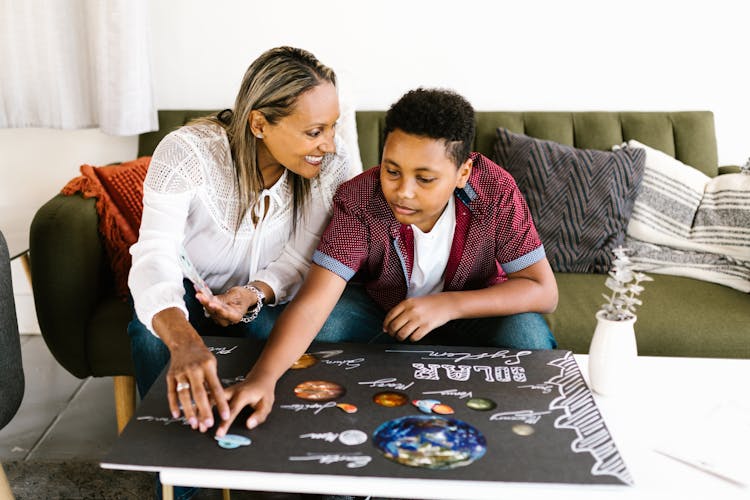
x=665 y=393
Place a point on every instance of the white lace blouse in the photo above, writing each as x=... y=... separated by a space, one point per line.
x=190 y=198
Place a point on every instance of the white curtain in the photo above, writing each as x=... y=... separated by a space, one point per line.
x=73 y=64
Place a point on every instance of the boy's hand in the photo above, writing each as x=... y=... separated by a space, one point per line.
x=229 y=307
x=416 y=317
x=255 y=393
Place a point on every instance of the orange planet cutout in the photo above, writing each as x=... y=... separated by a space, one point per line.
x=348 y=408
x=442 y=409
x=390 y=399
x=305 y=361
x=319 y=390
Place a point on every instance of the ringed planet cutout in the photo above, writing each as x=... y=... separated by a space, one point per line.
x=390 y=399
x=319 y=390
x=304 y=361
x=431 y=442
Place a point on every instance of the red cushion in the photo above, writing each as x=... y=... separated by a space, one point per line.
x=118 y=190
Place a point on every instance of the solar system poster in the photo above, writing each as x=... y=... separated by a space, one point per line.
x=399 y=410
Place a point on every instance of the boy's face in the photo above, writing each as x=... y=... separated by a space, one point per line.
x=418 y=178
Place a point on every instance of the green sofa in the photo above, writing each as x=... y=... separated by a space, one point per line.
x=84 y=324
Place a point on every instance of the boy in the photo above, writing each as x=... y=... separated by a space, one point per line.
x=442 y=241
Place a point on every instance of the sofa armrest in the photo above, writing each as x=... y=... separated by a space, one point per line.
x=67 y=258
x=729 y=169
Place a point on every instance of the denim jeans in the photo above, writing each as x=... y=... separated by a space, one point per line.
x=350 y=321
x=517 y=331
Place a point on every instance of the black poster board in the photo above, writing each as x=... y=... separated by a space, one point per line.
x=545 y=427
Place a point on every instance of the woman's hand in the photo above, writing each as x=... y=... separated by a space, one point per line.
x=415 y=317
x=254 y=392
x=229 y=307
x=193 y=385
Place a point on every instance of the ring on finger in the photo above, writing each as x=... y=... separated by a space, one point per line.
x=182 y=386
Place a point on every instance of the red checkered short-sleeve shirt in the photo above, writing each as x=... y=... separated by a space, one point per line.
x=494 y=235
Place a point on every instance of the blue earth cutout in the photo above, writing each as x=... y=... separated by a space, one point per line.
x=431 y=442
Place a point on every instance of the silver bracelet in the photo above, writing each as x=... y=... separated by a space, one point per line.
x=251 y=315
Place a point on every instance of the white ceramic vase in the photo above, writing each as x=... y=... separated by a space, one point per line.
x=612 y=355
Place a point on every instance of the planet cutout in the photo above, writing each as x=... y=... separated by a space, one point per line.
x=319 y=390
x=431 y=442
x=304 y=361
x=481 y=404
x=390 y=399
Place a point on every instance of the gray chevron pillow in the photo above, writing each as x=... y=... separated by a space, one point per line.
x=580 y=199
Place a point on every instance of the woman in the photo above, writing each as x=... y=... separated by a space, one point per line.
x=247 y=193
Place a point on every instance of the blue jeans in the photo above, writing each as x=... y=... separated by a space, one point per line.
x=517 y=331
x=344 y=324
x=356 y=318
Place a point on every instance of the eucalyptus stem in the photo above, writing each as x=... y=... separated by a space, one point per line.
x=624 y=283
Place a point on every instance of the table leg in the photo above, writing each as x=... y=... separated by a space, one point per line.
x=226 y=494
x=167 y=492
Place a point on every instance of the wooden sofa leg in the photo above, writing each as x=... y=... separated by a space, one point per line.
x=124 y=400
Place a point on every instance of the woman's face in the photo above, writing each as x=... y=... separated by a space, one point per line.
x=299 y=141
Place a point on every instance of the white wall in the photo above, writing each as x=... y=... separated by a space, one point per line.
x=523 y=55
x=575 y=55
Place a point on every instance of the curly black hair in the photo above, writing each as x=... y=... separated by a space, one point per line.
x=437 y=114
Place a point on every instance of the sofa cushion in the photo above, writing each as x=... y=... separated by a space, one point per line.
x=118 y=190
x=679 y=317
x=580 y=199
x=685 y=223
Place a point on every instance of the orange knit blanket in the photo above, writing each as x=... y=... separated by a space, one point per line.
x=118 y=190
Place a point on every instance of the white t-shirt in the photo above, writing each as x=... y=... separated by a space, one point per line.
x=190 y=198
x=431 y=252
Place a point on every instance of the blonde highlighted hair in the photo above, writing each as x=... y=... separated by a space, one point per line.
x=271 y=85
